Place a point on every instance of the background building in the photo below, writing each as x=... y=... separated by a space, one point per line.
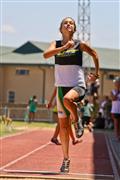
x=24 y=72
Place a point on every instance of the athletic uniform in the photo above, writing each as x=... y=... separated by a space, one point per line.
x=86 y=114
x=116 y=105
x=32 y=105
x=68 y=75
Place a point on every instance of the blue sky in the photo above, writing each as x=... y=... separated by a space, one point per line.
x=39 y=21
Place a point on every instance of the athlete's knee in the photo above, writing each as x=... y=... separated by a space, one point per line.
x=67 y=100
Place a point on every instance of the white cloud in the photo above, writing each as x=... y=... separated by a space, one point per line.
x=8 y=28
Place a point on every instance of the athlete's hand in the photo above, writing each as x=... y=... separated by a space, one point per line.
x=49 y=105
x=91 y=77
x=69 y=44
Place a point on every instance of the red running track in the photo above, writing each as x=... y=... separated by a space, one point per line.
x=32 y=151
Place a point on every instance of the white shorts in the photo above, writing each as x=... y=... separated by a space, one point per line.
x=61 y=91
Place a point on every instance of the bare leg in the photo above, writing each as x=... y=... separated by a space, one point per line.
x=57 y=130
x=55 y=135
x=70 y=105
x=71 y=133
x=33 y=116
x=74 y=140
x=30 y=117
x=69 y=99
x=90 y=127
x=64 y=136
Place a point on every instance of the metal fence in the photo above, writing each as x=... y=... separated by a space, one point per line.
x=21 y=113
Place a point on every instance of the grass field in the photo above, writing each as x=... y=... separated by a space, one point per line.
x=19 y=126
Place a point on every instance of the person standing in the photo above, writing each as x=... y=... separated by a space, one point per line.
x=32 y=108
x=70 y=81
x=115 y=95
x=86 y=111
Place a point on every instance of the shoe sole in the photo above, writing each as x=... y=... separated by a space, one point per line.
x=79 y=136
x=64 y=172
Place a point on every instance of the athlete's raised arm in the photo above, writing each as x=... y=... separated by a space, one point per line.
x=52 y=50
x=91 y=52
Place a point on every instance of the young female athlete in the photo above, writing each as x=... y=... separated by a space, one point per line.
x=69 y=80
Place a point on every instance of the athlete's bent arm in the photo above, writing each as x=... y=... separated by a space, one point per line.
x=52 y=50
x=92 y=52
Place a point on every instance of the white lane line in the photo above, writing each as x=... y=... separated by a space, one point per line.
x=58 y=177
x=30 y=171
x=24 y=156
x=55 y=173
x=95 y=175
x=81 y=175
x=114 y=152
x=115 y=172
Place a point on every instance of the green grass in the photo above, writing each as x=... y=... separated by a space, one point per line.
x=19 y=126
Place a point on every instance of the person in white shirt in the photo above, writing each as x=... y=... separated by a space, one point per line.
x=115 y=95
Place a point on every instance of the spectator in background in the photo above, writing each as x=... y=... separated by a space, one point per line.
x=105 y=109
x=32 y=108
x=107 y=112
x=86 y=111
x=102 y=104
x=99 y=122
x=94 y=88
x=115 y=95
x=95 y=107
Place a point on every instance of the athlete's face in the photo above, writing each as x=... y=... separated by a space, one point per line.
x=68 y=25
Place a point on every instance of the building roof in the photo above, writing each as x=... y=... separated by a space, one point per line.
x=28 y=48
x=31 y=53
x=109 y=58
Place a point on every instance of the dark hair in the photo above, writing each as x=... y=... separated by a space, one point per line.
x=86 y=102
x=64 y=20
x=34 y=97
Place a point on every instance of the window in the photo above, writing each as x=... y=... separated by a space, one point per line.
x=22 y=72
x=110 y=76
x=11 y=97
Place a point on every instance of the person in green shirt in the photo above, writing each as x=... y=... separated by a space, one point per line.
x=86 y=111
x=32 y=108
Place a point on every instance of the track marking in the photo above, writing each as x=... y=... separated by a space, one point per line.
x=43 y=146
x=58 y=175
x=48 y=177
x=114 y=152
x=96 y=175
x=24 y=156
x=115 y=172
x=50 y=172
x=30 y=171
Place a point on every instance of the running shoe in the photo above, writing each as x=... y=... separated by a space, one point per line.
x=74 y=142
x=55 y=141
x=65 y=166
x=79 y=129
